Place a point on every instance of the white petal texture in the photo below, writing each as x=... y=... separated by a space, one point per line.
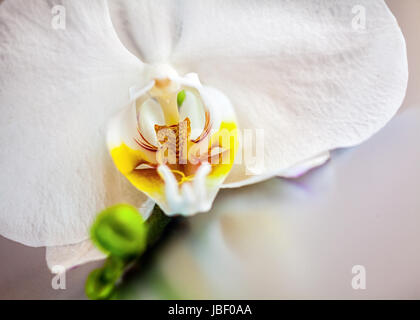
x=58 y=87
x=72 y=255
x=304 y=71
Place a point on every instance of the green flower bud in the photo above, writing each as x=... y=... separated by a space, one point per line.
x=120 y=231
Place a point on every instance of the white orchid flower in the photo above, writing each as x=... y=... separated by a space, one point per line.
x=311 y=74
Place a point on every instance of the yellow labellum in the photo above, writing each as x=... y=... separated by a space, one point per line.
x=150 y=182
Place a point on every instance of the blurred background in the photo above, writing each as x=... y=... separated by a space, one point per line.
x=284 y=239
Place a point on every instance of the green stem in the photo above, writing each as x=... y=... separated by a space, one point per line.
x=156 y=223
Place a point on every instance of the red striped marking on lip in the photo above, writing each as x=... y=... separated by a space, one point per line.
x=206 y=129
x=142 y=141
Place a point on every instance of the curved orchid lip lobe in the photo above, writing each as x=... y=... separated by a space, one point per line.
x=176 y=142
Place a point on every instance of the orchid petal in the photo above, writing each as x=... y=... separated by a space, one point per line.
x=69 y=256
x=72 y=255
x=149 y=29
x=301 y=168
x=57 y=90
x=309 y=73
x=293 y=172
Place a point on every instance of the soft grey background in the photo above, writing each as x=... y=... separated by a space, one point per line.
x=369 y=195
